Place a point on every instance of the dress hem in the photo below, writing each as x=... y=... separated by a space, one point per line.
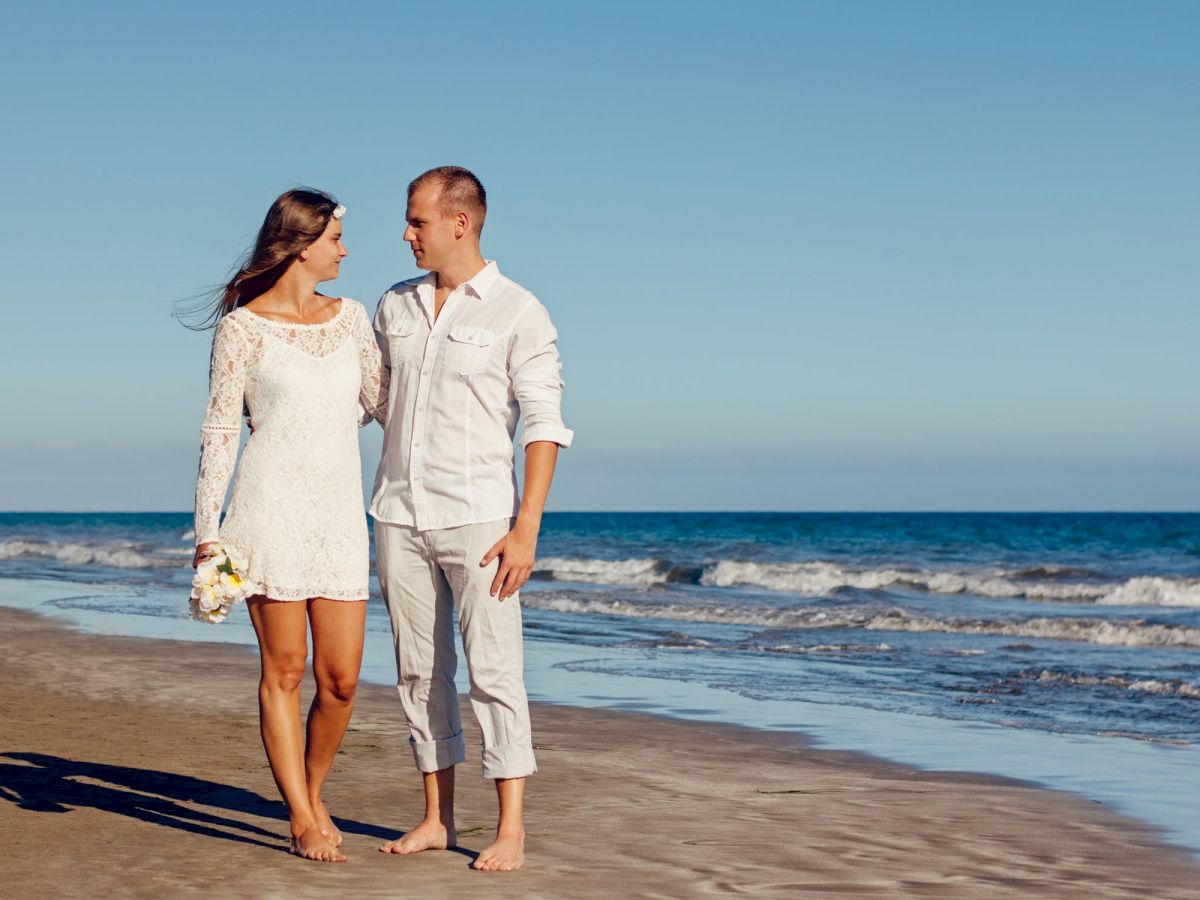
x=282 y=595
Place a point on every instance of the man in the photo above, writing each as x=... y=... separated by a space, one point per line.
x=469 y=352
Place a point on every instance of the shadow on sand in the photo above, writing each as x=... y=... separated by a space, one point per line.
x=51 y=784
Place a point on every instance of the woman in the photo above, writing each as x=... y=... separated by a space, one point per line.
x=301 y=363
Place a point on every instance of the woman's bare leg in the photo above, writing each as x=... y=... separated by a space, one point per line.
x=337 y=628
x=282 y=630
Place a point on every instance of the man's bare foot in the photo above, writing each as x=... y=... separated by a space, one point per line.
x=312 y=844
x=325 y=823
x=429 y=835
x=506 y=854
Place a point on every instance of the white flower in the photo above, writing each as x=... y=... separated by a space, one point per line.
x=219 y=582
x=205 y=615
x=234 y=584
x=209 y=600
x=206 y=571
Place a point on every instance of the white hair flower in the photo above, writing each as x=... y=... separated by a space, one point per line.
x=338 y=211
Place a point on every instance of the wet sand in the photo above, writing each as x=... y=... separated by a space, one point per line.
x=133 y=768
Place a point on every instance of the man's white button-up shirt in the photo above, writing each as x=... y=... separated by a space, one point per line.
x=458 y=386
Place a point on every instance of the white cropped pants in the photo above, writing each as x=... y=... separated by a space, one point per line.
x=424 y=574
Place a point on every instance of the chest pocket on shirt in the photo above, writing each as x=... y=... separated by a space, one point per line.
x=468 y=348
x=402 y=341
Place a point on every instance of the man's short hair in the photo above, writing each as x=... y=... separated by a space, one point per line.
x=460 y=190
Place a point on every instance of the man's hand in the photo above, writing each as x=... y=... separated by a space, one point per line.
x=516 y=551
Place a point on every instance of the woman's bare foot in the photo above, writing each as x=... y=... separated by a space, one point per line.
x=431 y=834
x=312 y=844
x=506 y=854
x=325 y=823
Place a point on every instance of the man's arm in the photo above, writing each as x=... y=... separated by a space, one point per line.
x=535 y=371
x=518 y=548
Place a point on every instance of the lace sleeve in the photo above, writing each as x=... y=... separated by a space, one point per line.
x=222 y=429
x=376 y=374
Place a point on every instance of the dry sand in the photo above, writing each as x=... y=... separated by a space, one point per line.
x=133 y=767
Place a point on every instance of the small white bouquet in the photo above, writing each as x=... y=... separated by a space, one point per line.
x=219 y=582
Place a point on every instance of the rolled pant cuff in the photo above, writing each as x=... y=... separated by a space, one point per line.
x=433 y=756
x=508 y=761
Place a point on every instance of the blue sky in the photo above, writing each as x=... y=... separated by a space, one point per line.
x=800 y=255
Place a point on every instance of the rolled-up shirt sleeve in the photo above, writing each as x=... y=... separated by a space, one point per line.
x=536 y=374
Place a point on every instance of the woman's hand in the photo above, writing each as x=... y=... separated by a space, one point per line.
x=203 y=552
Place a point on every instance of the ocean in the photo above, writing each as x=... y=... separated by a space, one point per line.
x=947 y=640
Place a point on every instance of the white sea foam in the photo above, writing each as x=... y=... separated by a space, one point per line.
x=1175 y=688
x=1091 y=631
x=116 y=556
x=1150 y=591
x=822 y=648
x=1169 y=687
x=603 y=571
x=820 y=578
x=1132 y=633
x=812 y=579
x=817 y=579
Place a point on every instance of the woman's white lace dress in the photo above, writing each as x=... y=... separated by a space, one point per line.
x=296 y=515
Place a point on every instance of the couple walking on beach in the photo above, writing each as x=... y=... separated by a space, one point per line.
x=451 y=362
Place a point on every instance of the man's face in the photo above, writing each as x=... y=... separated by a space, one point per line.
x=430 y=233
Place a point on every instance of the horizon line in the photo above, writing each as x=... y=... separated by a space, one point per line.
x=696 y=512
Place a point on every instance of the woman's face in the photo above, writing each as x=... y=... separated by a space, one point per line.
x=323 y=257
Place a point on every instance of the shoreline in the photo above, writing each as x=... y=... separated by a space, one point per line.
x=154 y=743
x=1136 y=777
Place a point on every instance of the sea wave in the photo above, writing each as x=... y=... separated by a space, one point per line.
x=1124 y=633
x=1134 y=633
x=600 y=571
x=1154 y=591
x=117 y=556
x=678 y=641
x=836 y=649
x=816 y=579
x=1166 y=687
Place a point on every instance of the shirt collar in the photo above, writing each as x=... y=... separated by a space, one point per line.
x=481 y=282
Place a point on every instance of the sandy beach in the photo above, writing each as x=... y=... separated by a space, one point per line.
x=132 y=767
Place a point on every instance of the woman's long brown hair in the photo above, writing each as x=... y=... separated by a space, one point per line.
x=294 y=222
